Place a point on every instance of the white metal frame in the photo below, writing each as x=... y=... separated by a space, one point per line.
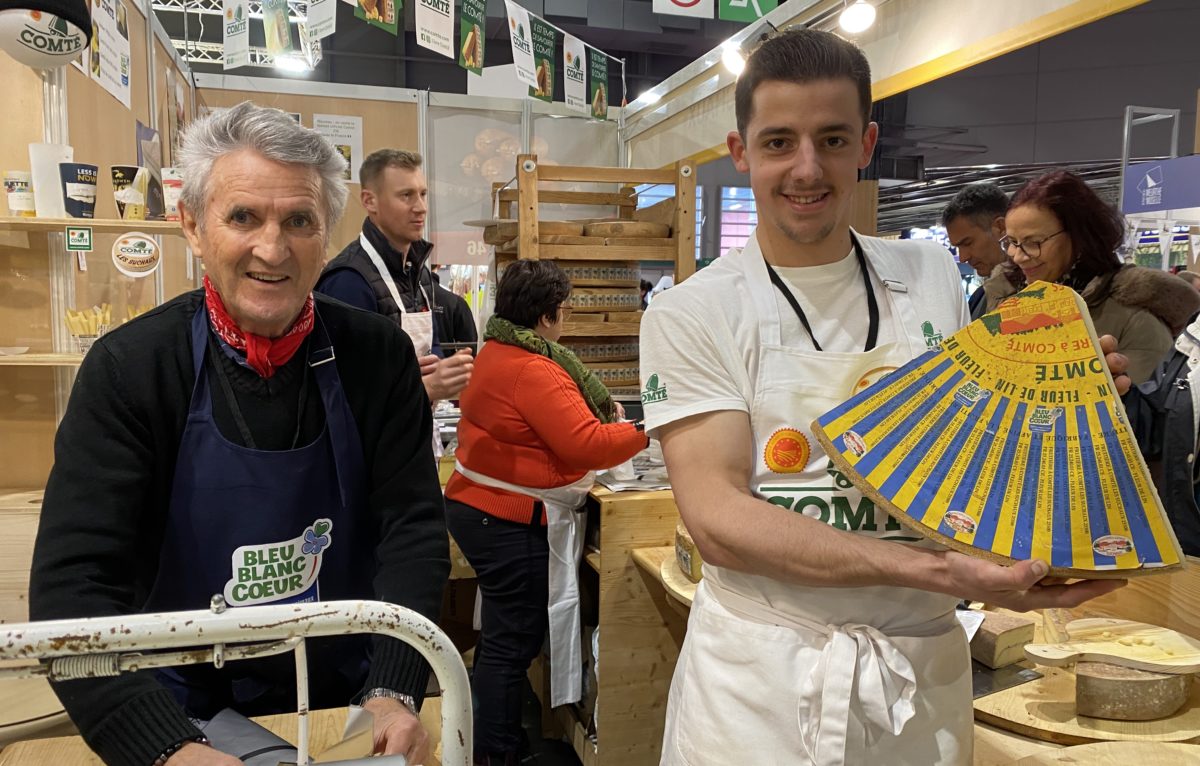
x=108 y=646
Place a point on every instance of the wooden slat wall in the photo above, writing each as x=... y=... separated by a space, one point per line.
x=385 y=124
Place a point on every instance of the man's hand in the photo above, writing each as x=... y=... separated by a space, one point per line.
x=1117 y=363
x=195 y=754
x=446 y=378
x=620 y=411
x=397 y=730
x=1020 y=587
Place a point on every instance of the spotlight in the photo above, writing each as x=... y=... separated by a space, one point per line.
x=733 y=59
x=857 y=17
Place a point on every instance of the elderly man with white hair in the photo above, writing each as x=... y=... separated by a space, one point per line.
x=252 y=441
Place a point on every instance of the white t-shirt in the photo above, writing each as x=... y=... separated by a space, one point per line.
x=834 y=300
x=700 y=339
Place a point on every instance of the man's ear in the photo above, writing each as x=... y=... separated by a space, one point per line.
x=998 y=228
x=191 y=228
x=369 y=200
x=870 y=137
x=737 y=151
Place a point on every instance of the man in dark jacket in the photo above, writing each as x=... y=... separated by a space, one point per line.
x=220 y=431
x=452 y=318
x=974 y=222
x=386 y=270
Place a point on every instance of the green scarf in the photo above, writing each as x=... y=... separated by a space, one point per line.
x=598 y=399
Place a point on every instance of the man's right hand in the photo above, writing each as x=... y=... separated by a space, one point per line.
x=195 y=754
x=1021 y=587
x=448 y=377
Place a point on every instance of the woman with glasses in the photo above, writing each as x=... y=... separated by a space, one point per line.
x=1059 y=230
x=535 y=426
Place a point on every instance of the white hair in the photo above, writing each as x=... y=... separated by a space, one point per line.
x=273 y=134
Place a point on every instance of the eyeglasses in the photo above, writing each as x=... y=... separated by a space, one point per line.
x=1031 y=249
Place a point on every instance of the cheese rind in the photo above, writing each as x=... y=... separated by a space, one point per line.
x=1000 y=640
x=1125 y=694
x=687 y=555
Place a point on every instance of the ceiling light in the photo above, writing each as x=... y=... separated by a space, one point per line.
x=292 y=63
x=733 y=59
x=857 y=17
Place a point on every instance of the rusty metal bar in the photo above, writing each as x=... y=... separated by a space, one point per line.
x=178 y=631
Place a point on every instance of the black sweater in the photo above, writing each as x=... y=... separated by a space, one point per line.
x=106 y=500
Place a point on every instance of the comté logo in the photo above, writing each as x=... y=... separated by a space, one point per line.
x=653 y=391
x=787 y=451
x=236 y=23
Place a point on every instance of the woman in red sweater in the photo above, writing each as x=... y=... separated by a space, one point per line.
x=535 y=426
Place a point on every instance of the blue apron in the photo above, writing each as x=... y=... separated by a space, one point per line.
x=267 y=527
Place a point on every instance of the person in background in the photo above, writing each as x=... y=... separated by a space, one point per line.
x=974 y=222
x=1191 y=277
x=646 y=288
x=386 y=270
x=532 y=434
x=821 y=633
x=222 y=427
x=452 y=318
x=1059 y=230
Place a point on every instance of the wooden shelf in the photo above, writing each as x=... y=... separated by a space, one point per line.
x=592 y=557
x=41 y=360
x=597 y=329
x=660 y=564
x=97 y=225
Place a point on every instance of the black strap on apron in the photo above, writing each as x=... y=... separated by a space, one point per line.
x=236 y=410
x=872 y=304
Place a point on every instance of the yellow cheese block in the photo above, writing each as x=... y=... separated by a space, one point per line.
x=687 y=555
x=1001 y=639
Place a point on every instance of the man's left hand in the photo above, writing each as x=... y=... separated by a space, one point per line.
x=398 y=731
x=1117 y=363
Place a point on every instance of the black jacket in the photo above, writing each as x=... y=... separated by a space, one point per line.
x=411 y=274
x=105 y=506
x=452 y=318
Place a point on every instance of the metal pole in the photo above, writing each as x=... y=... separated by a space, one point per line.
x=56 y=130
x=1126 y=137
x=302 y=702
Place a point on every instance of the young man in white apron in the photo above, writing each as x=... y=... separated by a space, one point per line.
x=822 y=632
x=386 y=269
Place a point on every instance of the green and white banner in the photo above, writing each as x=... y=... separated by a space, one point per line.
x=745 y=10
x=543 y=59
x=435 y=26
x=471 y=21
x=522 y=43
x=322 y=19
x=236 y=34
x=598 y=69
x=575 y=74
x=384 y=14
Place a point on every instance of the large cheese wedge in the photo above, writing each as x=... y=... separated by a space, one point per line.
x=1007 y=441
x=1001 y=639
x=687 y=555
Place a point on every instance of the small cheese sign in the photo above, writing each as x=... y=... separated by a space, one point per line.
x=79 y=239
x=136 y=255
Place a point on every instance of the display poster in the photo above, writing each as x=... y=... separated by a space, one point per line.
x=471 y=22
x=345 y=133
x=109 y=52
x=1152 y=187
x=1007 y=441
x=522 y=43
x=700 y=9
x=598 y=71
x=321 y=19
x=543 y=59
x=236 y=33
x=745 y=10
x=275 y=27
x=574 y=74
x=149 y=156
x=379 y=13
x=435 y=26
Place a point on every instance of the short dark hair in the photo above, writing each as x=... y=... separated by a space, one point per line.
x=375 y=163
x=530 y=290
x=1095 y=227
x=801 y=56
x=980 y=202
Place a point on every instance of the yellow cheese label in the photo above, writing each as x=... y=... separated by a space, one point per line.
x=1008 y=441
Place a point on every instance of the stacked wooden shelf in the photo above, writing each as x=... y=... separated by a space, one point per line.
x=602 y=256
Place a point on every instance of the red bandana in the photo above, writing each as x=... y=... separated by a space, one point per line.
x=264 y=355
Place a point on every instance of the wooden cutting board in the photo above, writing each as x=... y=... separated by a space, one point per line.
x=1045 y=709
x=1121 y=642
x=1116 y=754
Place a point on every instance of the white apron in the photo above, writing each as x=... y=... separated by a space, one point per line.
x=565 y=527
x=773 y=673
x=418 y=325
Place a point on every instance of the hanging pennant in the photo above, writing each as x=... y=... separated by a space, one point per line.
x=435 y=26
x=598 y=68
x=275 y=24
x=543 y=60
x=235 y=34
x=322 y=19
x=379 y=13
x=471 y=22
x=746 y=10
x=575 y=74
x=700 y=9
x=522 y=44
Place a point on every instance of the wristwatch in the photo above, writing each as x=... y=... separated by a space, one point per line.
x=382 y=693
